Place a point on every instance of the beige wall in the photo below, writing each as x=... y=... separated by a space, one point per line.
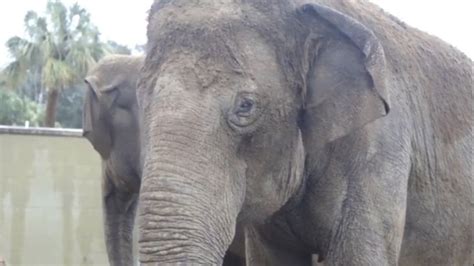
x=50 y=210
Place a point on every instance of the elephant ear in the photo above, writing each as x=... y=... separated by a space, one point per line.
x=345 y=75
x=95 y=128
x=87 y=110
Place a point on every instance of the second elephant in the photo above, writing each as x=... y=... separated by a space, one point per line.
x=110 y=123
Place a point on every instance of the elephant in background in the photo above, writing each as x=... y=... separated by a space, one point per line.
x=111 y=124
x=291 y=129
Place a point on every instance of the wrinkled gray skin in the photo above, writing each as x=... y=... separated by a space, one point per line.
x=284 y=130
x=110 y=123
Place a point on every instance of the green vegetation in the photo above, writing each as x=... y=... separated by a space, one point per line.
x=15 y=110
x=50 y=60
x=70 y=107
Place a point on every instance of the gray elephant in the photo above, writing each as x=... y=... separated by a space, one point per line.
x=286 y=129
x=110 y=123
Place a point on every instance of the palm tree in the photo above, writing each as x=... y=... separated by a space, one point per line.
x=58 y=48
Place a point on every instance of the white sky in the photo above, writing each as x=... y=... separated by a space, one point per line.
x=124 y=21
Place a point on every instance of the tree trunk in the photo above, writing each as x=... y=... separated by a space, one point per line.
x=51 y=104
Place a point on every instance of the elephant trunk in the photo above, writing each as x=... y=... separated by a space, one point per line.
x=188 y=206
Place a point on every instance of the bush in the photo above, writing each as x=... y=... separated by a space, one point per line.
x=15 y=110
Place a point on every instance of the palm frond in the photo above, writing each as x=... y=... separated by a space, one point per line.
x=27 y=56
x=57 y=74
x=59 y=20
x=31 y=22
x=15 y=46
x=59 y=48
x=32 y=55
x=35 y=26
x=83 y=17
x=14 y=74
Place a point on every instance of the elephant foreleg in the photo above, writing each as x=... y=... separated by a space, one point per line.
x=119 y=215
x=370 y=225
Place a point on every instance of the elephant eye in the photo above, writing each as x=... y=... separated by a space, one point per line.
x=244 y=112
x=245 y=107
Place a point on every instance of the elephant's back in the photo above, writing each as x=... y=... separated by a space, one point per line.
x=430 y=81
x=435 y=77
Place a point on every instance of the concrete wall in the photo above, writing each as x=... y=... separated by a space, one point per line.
x=50 y=207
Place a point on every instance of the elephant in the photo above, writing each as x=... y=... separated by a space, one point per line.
x=289 y=129
x=111 y=124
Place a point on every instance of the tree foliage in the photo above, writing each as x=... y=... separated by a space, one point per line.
x=56 y=52
x=70 y=107
x=15 y=110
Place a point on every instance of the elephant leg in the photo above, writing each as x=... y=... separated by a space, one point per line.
x=370 y=225
x=259 y=251
x=119 y=214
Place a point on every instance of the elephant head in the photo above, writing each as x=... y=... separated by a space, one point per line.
x=237 y=97
x=110 y=107
x=110 y=123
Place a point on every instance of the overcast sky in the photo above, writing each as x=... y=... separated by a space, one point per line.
x=124 y=21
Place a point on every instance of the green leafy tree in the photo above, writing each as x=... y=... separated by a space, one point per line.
x=15 y=110
x=70 y=106
x=58 y=49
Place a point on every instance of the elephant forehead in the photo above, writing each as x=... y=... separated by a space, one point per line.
x=201 y=18
x=192 y=12
x=184 y=72
x=110 y=74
